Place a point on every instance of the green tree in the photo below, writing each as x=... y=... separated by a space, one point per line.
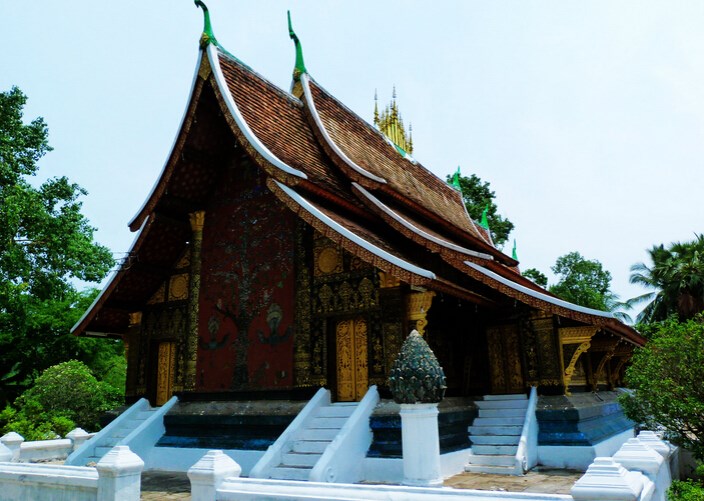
x=536 y=276
x=675 y=277
x=584 y=282
x=666 y=376
x=478 y=196
x=45 y=242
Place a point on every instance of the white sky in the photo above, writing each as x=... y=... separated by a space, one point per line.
x=587 y=118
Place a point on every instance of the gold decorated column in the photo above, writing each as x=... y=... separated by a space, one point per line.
x=418 y=305
x=197 y=220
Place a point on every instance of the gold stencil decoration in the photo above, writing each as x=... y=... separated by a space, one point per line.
x=178 y=287
x=387 y=280
x=165 y=372
x=185 y=260
x=328 y=260
x=569 y=338
x=352 y=371
x=418 y=305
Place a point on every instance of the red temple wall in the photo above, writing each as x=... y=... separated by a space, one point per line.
x=246 y=307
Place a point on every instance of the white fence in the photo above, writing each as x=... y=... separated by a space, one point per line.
x=117 y=477
x=40 y=450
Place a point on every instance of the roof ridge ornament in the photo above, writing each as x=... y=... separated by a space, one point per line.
x=514 y=253
x=300 y=66
x=485 y=219
x=208 y=37
x=455 y=180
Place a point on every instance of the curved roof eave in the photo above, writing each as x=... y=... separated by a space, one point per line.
x=310 y=103
x=139 y=218
x=390 y=214
x=562 y=307
x=112 y=282
x=356 y=240
x=241 y=123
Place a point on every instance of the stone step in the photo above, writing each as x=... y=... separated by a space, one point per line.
x=517 y=412
x=142 y=415
x=306 y=446
x=336 y=410
x=300 y=459
x=495 y=439
x=501 y=404
x=518 y=396
x=290 y=473
x=336 y=422
x=498 y=421
x=494 y=450
x=495 y=430
x=492 y=460
x=318 y=434
x=496 y=470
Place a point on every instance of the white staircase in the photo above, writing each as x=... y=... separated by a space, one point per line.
x=309 y=444
x=496 y=433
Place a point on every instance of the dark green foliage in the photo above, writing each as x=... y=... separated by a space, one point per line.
x=45 y=242
x=536 y=276
x=70 y=391
x=666 y=376
x=416 y=376
x=582 y=281
x=675 y=279
x=477 y=196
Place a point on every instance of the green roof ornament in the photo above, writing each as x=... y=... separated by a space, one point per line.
x=514 y=254
x=485 y=218
x=455 y=180
x=416 y=376
x=207 y=37
x=300 y=67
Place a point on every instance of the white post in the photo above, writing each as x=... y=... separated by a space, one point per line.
x=421 y=445
x=607 y=479
x=209 y=472
x=634 y=455
x=12 y=441
x=77 y=436
x=5 y=454
x=119 y=475
x=652 y=440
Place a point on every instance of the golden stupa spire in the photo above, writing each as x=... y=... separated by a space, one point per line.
x=390 y=123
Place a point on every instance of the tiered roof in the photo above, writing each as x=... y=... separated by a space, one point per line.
x=336 y=172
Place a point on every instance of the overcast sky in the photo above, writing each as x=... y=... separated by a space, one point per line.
x=587 y=118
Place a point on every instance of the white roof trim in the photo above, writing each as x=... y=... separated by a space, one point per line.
x=538 y=295
x=113 y=275
x=305 y=204
x=319 y=123
x=173 y=145
x=415 y=229
x=240 y=121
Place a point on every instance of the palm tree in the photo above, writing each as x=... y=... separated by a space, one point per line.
x=675 y=279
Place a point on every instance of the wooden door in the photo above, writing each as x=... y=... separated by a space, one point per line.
x=166 y=364
x=351 y=348
x=505 y=359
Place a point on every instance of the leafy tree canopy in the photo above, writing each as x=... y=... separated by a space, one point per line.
x=45 y=242
x=478 y=196
x=675 y=277
x=583 y=281
x=536 y=276
x=666 y=376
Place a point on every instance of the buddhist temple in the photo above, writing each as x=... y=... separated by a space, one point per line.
x=290 y=245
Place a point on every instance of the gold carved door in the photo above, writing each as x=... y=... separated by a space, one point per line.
x=165 y=372
x=352 y=373
x=505 y=359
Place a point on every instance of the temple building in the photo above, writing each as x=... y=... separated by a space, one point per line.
x=290 y=245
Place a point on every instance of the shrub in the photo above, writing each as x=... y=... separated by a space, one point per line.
x=67 y=393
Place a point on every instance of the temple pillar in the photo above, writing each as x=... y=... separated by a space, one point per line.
x=418 y=305
x=131 y=342
x=197 y=220
x=574 y=341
